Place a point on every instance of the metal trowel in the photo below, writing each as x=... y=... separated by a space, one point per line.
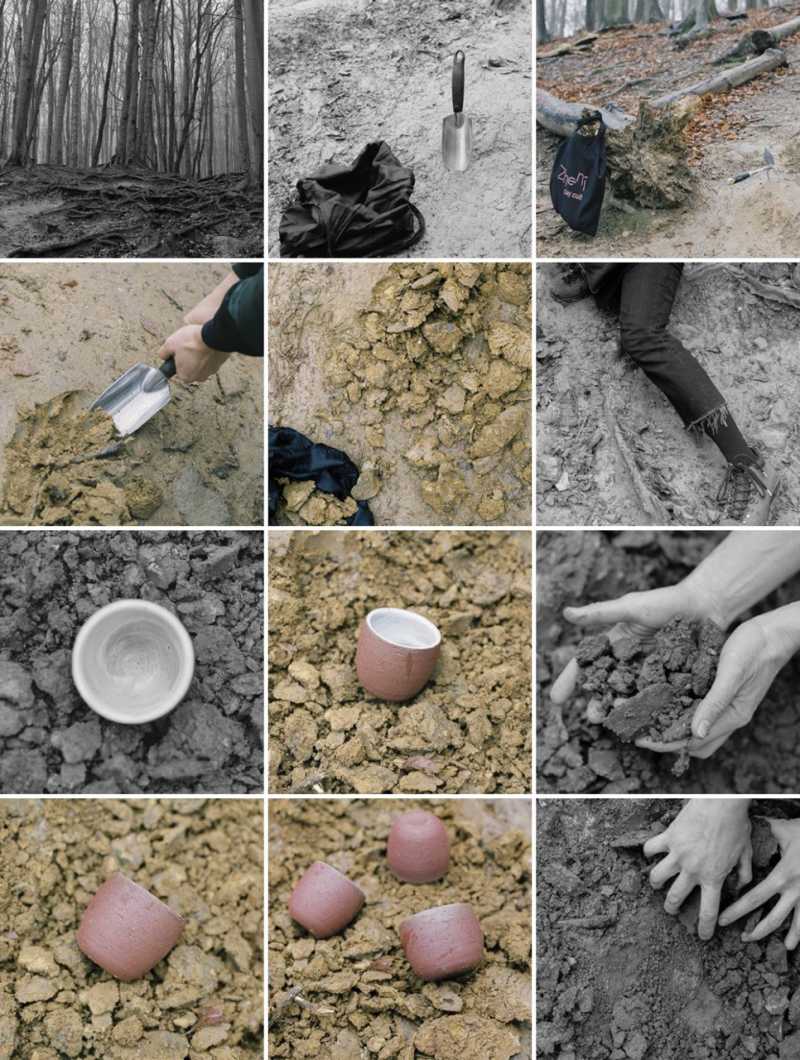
x=137 y=395
x=457 y=128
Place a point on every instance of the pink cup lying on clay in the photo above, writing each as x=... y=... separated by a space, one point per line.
x=418 y=850
x=127 y=930
x=397 y=652
x=324 y=901
x=442 y=942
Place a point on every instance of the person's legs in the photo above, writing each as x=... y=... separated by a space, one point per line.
x=647 y=296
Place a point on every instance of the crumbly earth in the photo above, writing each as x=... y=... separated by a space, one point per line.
x=355 y=995
x=426 y=386
x=650 y=689
x=51 y=742
x=204 y=858
x=468 y=730
x=575 y=753
x=612 y=451
x=66 y=333
x=619 y=979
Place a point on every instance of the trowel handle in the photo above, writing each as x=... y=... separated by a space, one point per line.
x=168 y=368
x=458 y=82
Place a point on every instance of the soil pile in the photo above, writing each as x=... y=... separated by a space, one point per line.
x=611 y=448
x=575 y=752
x=619 y=978
x=204 y=858
x=50 y=741
x=658 y=685
x=355 y=993
x=468 y=730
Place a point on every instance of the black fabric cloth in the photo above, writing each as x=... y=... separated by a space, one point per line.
x=238 y=324
x=293 y=456
x=643 y=295
x=578 y=177
x=357 y=211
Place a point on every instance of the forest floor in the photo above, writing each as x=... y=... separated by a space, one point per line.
x=612 y=450
x=343 y=74
x=66 y=333
x=425 y=383
x=51 y=742
x=55 y=211
x=468 y=730
x=758 y=217
x=359 y=995
x=575 y=755
x=619 y=977
x=203 y=857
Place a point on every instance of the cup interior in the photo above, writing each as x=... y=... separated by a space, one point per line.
x=133 y=661
x=404 y=629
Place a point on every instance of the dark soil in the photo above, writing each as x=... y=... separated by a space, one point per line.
x=619 y=979
x=354 y=995
x=55 y=211
x=51 y=742
x=468 y=730
x=203 y=857
x=575 y=751
x=658 y=685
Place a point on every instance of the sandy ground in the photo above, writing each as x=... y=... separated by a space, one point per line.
x=51 y=742
x=359 y=995
x=618 y=977
x=413 y=428
x=345 y=74
x=67 y=328
x=467 y=731
x=204 y=858
x=612 y=450
x=759 y=217
x=574 y=754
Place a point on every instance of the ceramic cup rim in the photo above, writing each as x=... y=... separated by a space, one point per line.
x=100 y=706
x=340 y=874
x=153 y=897
x=414 y=616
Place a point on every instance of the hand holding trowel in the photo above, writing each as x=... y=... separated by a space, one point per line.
x=137 y=395
x=457 y=128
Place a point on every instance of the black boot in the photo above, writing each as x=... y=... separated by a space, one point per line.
x=747 y=492
x=571 y=286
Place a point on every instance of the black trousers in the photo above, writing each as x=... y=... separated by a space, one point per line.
x=643 y=295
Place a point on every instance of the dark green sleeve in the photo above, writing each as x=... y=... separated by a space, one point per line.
x=238 y=324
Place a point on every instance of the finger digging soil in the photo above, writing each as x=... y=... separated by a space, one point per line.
x=204 y=858
x=50 y=741
x=355 y=993
x=619 y=978
x=468 y=730
x=574 y=752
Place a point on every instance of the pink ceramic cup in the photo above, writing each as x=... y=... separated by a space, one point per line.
x=442 y=942
x=127 y=930
x=418 y=850
x=324 y=901
x=397 y=652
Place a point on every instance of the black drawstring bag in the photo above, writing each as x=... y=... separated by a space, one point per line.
x=358 y=211
x=578 y=180
x=293 y=456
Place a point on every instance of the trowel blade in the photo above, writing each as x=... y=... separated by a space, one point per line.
x=457 y=142
x=134 y=398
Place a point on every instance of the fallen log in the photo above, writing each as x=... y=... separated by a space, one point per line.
x=577 y=47
x=559 y=116
x=739 y=75
x=757 y=42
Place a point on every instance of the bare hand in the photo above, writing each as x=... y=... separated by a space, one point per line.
x=704 y=842
x=783 y=881
x=194 y=361
x=208 y=306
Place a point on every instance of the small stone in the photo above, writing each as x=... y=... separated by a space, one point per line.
x=102 y=997
x=37 y=959
x=453 y=399
x=52 y=672
x=368 y=485
x=15 y=685
x=290 y=692
x=80 y=742
x=142 y=497
x=32 y=988
x=305 y=673
x=295 y=494
x=128 y=1031
x=207 y=1037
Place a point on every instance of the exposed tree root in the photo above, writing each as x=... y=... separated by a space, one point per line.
x=153 y=214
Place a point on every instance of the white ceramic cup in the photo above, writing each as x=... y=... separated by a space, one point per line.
x=132 y=662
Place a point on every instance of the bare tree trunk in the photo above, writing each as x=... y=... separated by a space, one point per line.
x=542 y=36
x=28 y=63
x=75 y=94
x=101 y=128
x=65 y=77
x=144 y=129
x=128 y=114
x=254 y=23
x=241 y=94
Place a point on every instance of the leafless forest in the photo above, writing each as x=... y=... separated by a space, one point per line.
x=559 y=18
x=130 y=126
